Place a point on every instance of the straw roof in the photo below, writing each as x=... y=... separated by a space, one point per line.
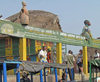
x=41 y=19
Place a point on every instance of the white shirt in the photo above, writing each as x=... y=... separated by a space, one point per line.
x=44 y=54
x=96 y=56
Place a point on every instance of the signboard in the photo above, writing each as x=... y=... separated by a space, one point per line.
x=17 y=30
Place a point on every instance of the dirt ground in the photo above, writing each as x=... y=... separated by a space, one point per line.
x=50 y=78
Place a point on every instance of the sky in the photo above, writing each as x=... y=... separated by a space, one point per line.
x=71 y=13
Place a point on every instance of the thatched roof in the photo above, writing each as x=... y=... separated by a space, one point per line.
x=41 y=19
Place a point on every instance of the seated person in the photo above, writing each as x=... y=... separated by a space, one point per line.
x=86 y=31
x=25 y=77
x=96 y=55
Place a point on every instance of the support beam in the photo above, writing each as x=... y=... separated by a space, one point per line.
x=66 y=73
x=23 y=50
x=56 y=80
x=4 y=72
x=36 y=49
x=85 y=60
x=44 y=74
x=65 y=48
x=59 y=56
x=9 y=49
x=31 y=77
x=90 y=78
x=41 y=77
x=9 y=53
x=18 y=74
x=0 y=75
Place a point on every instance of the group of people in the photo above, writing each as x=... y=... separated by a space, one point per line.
x=71 y=61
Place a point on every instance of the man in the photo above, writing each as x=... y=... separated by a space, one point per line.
x=96 y=55
x=25 y=77
x=86 y=31
x=49 y=55
x=43 y=55
x=69 y=60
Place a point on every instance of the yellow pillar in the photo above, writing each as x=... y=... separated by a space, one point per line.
x=9 y=53
x=59 y=56
x=85 y=60
x=22 y=49
x=8 y=49
x=37 y=47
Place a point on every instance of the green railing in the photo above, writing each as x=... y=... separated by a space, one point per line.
x=94 y=70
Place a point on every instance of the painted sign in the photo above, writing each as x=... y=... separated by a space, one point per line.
x=13 y=29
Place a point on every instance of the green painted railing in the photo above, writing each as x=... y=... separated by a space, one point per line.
x=17 y=30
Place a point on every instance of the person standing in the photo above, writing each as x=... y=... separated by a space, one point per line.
x=69 y=60
x=96 y=55
x=80 y=63
x=49 y=55
x=43 y=55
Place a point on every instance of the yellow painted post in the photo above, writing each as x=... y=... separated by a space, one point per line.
x=8 y=48
x=22 y=49
x=85 y=60
x=37 y=47
x=9 y=53
x=59 y=56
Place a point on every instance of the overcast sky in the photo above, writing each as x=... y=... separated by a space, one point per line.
x=71 y=13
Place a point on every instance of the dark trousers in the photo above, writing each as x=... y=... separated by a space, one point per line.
x=71 y=73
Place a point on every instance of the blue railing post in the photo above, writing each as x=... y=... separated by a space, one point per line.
x=0 y=75
x=72 y=73
x=66 y=72
x=4 y=72
x=31 y=77
x=44 y=75
x=18 y=74
x=56 y=75
x=41 y=77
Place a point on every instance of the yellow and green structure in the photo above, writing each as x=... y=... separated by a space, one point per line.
x=24 y=42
